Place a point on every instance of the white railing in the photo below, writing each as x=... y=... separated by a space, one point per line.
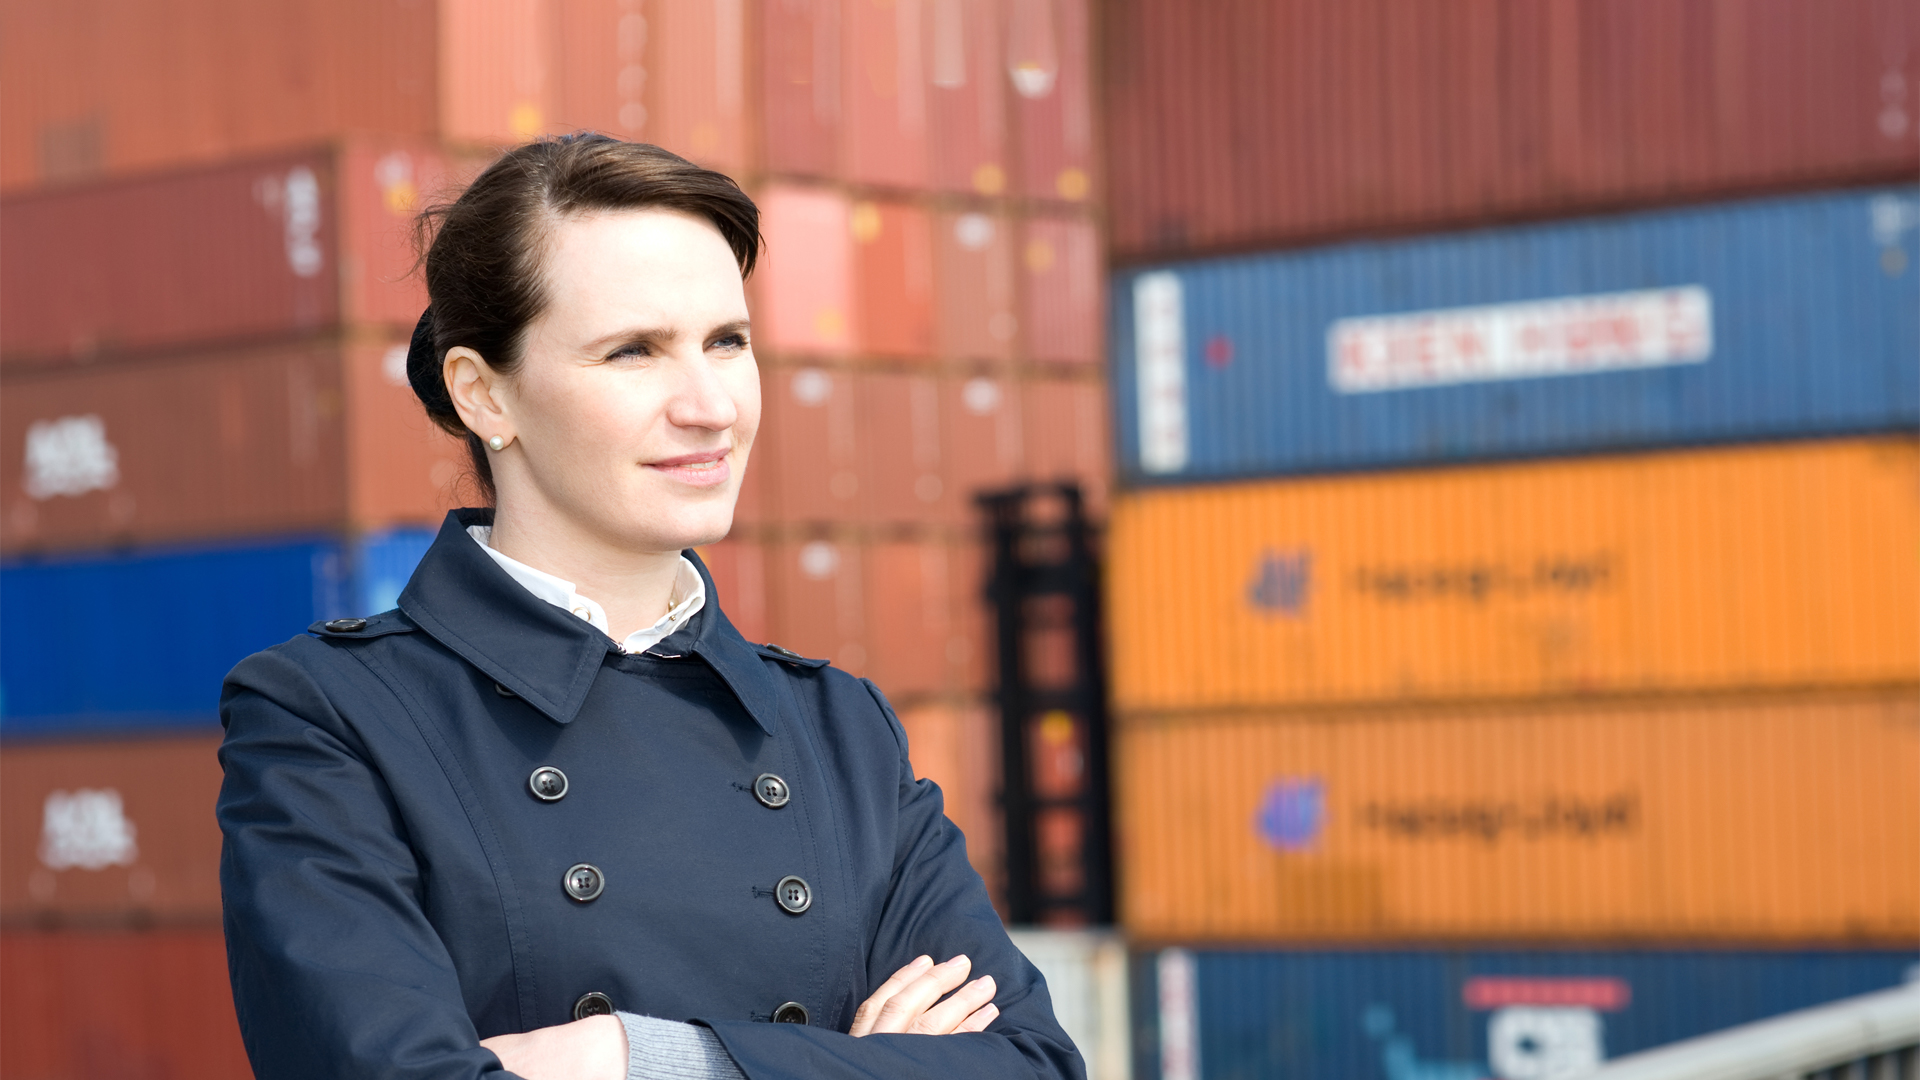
x=1871 y=1037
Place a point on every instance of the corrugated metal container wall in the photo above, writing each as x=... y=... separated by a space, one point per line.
x=1258 y=123
x=109 y=87
x=967 y=97
x=1764 y=567
x=110 y=831
x=803 y=288
x=956 y=747
x=1780 y=819
x=232 y=444
x=257 y=249
x=1397 y=1015
x=1742 y=321
x=244 y=598
x=1049 y=61
x=157 y=1005
x=800 y=84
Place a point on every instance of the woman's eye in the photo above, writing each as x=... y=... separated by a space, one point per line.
x=731 y=342
x=637 y=349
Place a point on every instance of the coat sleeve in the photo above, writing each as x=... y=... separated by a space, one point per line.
x=336 y=970
x=936 y=904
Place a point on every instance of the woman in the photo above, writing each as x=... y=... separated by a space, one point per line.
x=553 y=815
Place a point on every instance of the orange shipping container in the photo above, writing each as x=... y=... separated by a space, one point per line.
x=106 y=1006
x=1766 y=566
x=803 y=287
x=893 y=271
x=307 y=436
x=109 y=832
x=1767 y=820
x=958 y=747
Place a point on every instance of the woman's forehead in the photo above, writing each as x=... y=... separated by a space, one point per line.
x=664 y=263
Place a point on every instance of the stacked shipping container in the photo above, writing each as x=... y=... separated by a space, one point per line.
x=1547 y=585
x=209 y=439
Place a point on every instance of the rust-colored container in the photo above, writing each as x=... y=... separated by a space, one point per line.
x=109 y=1005
x=274 y=440
x=884 y=91
x=109 y=87
x=817 y=599
x=974 y=273
x=810 y=450
x=800 y=85
x=1768 y=566
x=1259 y=123
x=1778 y=819
x=739 y=569
x=1061 y=272
x=910 y=624
x=893 y=273
x=109 y=832
x=803 y=287
x=1049 y=43
x=1064 y=426
x=260 y=249
x=967 y=96
x=906 y=457
x=981 y=439
x=958 y=747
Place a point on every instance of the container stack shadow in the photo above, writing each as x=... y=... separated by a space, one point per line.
x=207 y=441
x=1511 y=582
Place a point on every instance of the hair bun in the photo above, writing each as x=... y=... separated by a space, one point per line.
x=423 y=369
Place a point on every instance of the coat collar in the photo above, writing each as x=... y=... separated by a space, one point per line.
x=550 y=657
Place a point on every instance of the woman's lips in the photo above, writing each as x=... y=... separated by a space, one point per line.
x=696 y=470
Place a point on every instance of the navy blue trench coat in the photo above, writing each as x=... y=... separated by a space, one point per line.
x=396 y=888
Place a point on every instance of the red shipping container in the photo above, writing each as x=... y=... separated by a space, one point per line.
x=118 y=1004
x=1066 y=436
x=893 y=272
x=981 y=435
x=884 y=80
x=966 y=96
x=1062 y=274
x=739 y=569
x=800 y=84
x=973 y=271
x=1048 y=52
x=1258 y=123
x=910 y=626
x=810 y=446
x=496 y=70
x=293 y=437
x=109 y=87
x=803 y=287
x=268 y=248
x=104 y=832
x=901 y=448
x=817 y=600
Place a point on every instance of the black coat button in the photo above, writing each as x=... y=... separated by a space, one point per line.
x=793 y=894
x=503 y=691
x=347 y=626
x=593 y=1003
x=790 y=1013
x=584 y=881
x=771 y=790
x=548 y=783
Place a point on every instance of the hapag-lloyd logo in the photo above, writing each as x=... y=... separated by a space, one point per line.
x=1570 y=335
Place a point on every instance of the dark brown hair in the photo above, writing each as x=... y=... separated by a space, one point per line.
x=483 y=252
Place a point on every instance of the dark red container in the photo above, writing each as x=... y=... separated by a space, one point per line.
x=118 y=1004
x=800 y=85
x=260 y=249
x=109 y=833
x=1266 y=122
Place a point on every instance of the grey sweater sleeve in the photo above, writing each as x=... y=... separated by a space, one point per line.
x=669 y=1050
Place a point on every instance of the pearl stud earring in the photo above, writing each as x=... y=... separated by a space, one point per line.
x=497 y=442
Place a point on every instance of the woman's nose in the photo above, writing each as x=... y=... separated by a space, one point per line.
x=701 y=399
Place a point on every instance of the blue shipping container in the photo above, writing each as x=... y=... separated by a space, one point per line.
x=1765 y=319
x=1445 y=1015
x=139 y=640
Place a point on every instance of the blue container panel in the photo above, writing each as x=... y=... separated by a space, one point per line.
x=137 y=641
x=1406 y=1015
x=1816 y=324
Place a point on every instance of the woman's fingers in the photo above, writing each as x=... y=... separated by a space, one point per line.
x=984 y=1015
x=899 y=1012
x=947 y=1017
x=869 y=1010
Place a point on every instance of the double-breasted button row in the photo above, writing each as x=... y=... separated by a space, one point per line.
x=791 y=1012
x=793 y=894
x=548 y=784
x=772 y=791
x=584 y=882
x=592 y=1003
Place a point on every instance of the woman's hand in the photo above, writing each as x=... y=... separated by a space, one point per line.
x=590 y=1049
x=905 y=1003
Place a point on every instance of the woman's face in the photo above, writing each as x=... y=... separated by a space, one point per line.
x=637 y=398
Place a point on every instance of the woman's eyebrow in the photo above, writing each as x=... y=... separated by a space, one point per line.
x=737 y=326
x=624 y=337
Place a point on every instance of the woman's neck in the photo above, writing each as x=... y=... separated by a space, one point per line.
x=635 y=588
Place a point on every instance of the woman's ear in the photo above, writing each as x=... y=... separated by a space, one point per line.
x=478 y=394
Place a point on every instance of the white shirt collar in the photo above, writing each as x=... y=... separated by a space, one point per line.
x=560 y=593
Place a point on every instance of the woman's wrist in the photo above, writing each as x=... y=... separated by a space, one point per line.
x=669 y=1050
